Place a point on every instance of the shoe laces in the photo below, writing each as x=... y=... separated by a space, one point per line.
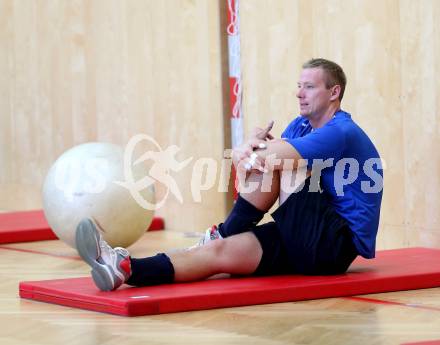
x=213 y=233
x=108 y=254
x=122 y=251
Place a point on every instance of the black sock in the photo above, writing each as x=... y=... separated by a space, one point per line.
x=153 y=270
x=243 y=217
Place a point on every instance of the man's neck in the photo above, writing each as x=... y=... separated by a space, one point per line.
x=320 y=120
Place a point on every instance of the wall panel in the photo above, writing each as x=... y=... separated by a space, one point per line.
x=389 y=50
x=76 y=71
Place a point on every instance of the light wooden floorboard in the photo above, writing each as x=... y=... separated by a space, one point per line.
x=328 y=321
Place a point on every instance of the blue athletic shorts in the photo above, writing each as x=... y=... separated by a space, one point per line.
x=307 y=237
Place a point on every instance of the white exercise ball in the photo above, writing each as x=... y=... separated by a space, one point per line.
x=85 y=182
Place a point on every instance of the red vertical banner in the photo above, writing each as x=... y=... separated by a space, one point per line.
x=235 y=89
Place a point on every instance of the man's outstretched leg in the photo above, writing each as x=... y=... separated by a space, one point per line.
x=240 y=254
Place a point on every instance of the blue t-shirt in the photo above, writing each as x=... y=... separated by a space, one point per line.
x=351 y=172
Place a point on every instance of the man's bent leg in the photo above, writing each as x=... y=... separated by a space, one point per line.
x=267 y=193
x=250 y=207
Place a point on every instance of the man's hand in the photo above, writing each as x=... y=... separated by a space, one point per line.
x=262 y=133
x=244 y=157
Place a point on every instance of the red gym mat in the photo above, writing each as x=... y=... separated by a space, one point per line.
x=392 y=270
x=27 y=226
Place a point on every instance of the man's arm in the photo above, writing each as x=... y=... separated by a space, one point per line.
x=278 y=155
x=261 y=155
x=261 y=152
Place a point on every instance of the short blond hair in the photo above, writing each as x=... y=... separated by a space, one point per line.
x=334 y=74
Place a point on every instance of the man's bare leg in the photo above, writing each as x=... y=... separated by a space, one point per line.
x=262 y=198
x=237 y=254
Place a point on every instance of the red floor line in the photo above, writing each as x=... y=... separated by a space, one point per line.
x=429 y=342
x=41 y=253
x=380 y=301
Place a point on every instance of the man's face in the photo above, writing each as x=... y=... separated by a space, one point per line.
x=314 y=98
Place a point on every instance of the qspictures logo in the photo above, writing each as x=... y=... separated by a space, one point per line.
x=206 y=171
x=163 y=163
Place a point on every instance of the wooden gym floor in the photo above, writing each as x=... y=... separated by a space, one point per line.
x=389 y=318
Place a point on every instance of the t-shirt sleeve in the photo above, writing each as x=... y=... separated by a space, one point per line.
x=290 y=129
x=323 y=143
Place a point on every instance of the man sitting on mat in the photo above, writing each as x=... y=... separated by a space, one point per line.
x=317 y=230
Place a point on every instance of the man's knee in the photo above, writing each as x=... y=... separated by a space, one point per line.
x=240 y=253
x=268 y=182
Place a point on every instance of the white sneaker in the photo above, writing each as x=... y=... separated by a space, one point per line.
x=110 y=267
x=211 y=234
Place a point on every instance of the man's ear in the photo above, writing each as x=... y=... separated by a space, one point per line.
x=335 y=92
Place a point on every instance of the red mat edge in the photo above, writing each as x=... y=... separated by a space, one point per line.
x=72 y=303
x=27 y=236
x=42 y=232
x=282 y=295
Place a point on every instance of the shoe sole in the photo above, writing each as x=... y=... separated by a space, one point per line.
x=87 y=239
